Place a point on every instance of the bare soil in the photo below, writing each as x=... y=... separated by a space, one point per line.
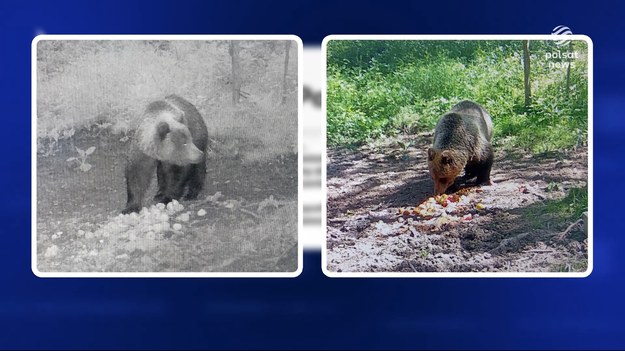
x=508 y=231
x=247 y=219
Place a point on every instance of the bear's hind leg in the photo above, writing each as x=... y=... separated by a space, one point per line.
x=483 y=173
x=138 y=176
x=195 y=181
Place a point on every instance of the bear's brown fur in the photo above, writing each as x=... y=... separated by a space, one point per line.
x=172 y=140
x=461 y=141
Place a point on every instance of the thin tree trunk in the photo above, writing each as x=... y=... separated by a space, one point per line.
x=236 y=85
x=287 y=47
x=526 y=73
x=568 y=71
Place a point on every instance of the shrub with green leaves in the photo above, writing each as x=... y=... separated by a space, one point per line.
x=379 y=88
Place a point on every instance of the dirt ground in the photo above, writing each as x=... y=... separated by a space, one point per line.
x=501 y=227
x=244 y=221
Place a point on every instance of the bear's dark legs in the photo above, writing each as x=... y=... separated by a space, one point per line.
x=470 y=171
x=483 y=172
x=162 y=182
x=195 y=180
x=138 y=176
x=172 y=182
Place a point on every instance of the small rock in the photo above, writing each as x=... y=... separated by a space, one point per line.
x=184 y=217
x=54 y=236
x=51 y=251
x=201 y=213
x=81 y=232
x=121 y=257
x=177 y=226
x=171 y=207
x=93 y=253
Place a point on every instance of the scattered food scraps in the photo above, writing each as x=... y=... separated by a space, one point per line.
x=444 y=209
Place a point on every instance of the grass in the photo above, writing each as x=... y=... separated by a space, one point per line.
x=81 y=84
x=576 y=266
x=399 y=89
x=563 y=212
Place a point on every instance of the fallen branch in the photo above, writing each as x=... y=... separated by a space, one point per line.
x=569 y=228
x=411 y=266
x=248 y=212
x=508 y=241
x=537 y=194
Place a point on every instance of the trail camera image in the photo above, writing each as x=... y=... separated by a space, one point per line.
x=458 y=156
x=166 y=156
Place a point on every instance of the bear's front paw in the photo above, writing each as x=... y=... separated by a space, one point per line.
x=162 y=199
x=158 y=197
x=191 y=195
x=130 y=209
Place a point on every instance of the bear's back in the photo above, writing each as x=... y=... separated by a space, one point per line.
x=475 y=115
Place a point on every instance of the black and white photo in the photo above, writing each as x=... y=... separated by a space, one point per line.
x=166 y=155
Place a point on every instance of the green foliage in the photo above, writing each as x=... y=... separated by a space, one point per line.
x=561 y=211
x=378 y=88
x=570 y=207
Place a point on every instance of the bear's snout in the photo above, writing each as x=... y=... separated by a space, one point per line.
x=195 y=155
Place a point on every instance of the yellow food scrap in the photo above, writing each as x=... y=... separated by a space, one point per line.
x=480 y=206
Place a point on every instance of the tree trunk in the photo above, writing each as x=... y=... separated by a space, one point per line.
x=568 y=72
x=236 y=85
x=287 y=47
x=526 y=72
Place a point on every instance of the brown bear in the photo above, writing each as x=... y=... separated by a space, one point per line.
x=461 y=141
x=172 y=140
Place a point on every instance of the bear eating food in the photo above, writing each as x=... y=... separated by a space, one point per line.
x=461 y=141
x=171 y=139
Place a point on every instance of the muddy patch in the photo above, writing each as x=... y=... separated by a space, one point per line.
x=373 y=226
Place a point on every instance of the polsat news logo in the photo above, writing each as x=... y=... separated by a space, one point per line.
x=562 y=30
x=562 y=58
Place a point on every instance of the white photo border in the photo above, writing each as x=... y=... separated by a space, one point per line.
x=252 y=37
x=324 y=161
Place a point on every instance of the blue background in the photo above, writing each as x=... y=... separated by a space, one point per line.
x=311 y=311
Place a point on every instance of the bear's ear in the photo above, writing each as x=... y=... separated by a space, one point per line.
x=446 y=157
x=431 y=154
x=162 y=129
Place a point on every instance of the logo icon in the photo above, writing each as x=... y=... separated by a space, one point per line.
x=562 y=30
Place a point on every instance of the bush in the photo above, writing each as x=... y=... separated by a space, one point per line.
x=80 y=83
x=378 y=88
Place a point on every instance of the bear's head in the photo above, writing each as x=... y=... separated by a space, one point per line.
x=167 y=138
x=445 y=166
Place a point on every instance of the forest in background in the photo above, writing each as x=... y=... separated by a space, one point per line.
x=246 y=90
x=386 y=87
